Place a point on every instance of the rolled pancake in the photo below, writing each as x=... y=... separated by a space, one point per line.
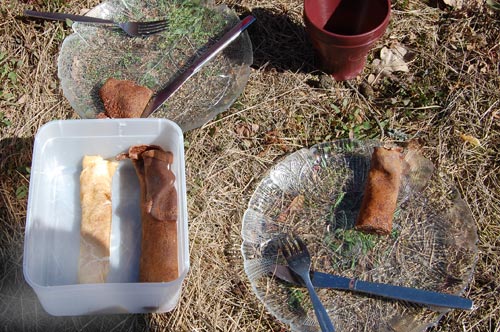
x=158 y=259
x=95 y=229
x=381 y=192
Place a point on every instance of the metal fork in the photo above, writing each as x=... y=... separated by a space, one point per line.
x=299 y=261
x=133 y=29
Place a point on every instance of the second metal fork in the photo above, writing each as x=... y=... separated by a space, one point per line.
x=134 y=29
x=299 y=261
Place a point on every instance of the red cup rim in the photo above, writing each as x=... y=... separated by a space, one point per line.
x=336 y=35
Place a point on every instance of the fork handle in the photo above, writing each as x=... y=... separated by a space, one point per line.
x=64 y=17
x=323 y=319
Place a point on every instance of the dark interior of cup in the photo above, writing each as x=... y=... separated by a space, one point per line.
x=348 y=17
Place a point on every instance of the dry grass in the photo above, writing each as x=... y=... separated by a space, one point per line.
x=452 y=88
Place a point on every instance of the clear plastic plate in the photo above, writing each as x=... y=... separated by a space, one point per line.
x=316 y=193
x=93 y=53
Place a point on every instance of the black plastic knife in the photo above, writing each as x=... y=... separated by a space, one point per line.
x=414 y=295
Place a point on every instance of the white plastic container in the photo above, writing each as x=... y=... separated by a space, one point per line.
x=52 y=239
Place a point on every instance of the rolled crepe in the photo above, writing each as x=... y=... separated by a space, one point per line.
x=381 y=192
x=95 y=228
x=158 y=260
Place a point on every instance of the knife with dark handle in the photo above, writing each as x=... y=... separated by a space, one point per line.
x=157 y=100
x=413 y=295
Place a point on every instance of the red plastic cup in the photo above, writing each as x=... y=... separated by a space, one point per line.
x=343 y=31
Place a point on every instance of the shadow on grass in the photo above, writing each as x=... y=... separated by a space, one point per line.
x=279 y=43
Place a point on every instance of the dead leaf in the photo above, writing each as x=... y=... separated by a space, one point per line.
x=295 y=206
x=470 y=139
x=392 y=59
x=23 y=99
x=273 y=137
x=371 y=78
x=246 y=129
x=297 y=203
x=454 y=3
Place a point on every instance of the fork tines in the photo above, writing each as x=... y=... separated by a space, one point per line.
x=292 y=245
x=145 y=28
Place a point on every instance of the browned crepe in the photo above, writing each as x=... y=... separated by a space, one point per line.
x=159 y=259
x=123 y=99
x=381 y=192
